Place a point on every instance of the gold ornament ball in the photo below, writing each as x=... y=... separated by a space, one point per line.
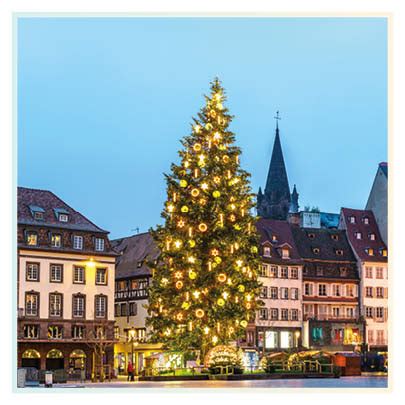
x=208 y=126
x=225 y=158
x=197 y=147
x=183 y=183
x=254 y=249
x=179 y=285
x=237 y=227
x=192 y=275
x=184 y=208
x=221 y=277
x=202 y=227
x=199 y=313
x=185 y=305
x=195 y=192
x=191 y=243
x=241 y=288
x=217 y=259
x=221 y=302
x=216 y=194
x=243 y=323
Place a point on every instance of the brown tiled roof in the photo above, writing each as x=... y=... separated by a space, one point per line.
x=328 y=241
x=135 y=251
x=281 y=230
x=49 y=202
x=360 y=245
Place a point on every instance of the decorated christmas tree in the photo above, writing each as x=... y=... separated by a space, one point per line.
x=205 y=287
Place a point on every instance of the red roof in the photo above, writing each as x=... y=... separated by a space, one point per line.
x=360 y=246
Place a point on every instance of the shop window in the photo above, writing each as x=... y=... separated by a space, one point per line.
x=317 y=334
x=31 y=331
x=285 y=340
x=271 y=340
x=78 y=332
x=55 y=332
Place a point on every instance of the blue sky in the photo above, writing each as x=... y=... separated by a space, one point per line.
x=103 y=103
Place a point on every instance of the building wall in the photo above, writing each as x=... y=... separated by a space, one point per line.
x=377 y=202
x=67 y=287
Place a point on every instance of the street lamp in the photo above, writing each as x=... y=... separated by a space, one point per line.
x=132 y=333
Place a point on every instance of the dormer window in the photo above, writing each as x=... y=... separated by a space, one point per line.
x=99 y=244
x=37 y=212
x=366 y=221
x=274 y=238
x=372 y=236
x=370 y=251
x=319 y=270
x=63 y=218
x=39 y=216
x=285 y=253
x=358 y=235
x=339 y=252
x=266 y=251
x=56 y=240
x=61 y=214
x=311 y=235
x=343 y=272
x=316 y=251
x=32 y=238
x=383 y=252
x=334 y=236
x=352 y=220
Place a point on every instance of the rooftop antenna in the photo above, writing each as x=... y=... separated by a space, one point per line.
x=277 y=118
x=136 y=230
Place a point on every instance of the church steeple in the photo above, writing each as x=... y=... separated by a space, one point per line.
x=294 y=201
x=275 y=202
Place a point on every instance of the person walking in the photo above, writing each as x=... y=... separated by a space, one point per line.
x=130 y=370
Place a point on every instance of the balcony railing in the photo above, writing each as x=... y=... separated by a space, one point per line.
x=126 y=294
x=328 y=317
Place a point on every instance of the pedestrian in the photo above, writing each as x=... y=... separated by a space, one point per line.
x=130 y=371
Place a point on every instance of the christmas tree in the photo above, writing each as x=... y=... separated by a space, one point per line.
x=205 y=287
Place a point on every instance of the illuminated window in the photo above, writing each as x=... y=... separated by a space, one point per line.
x=31 y=304
x=32 y=272
x=55 y=332
x=370 y=251
x=56 y=240
x=285 y=340
x=372 y=236
x=271 y=340
x=77 y=242
x=285 y=253
x=366 y=221
x=352 y=220
x=274 y=271
x=266 y=251
x=101 y=276
x=55 y=304
x=349 y=290
x=32 y=238
x=99 y=244
x=383 y=252
x=31 y=331
x=63 y=218
x=358 y=235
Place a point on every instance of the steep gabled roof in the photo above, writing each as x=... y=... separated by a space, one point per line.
x=135 y=251
x=30 y=200
x=360 y=245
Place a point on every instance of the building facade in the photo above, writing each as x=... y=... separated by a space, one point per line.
x=372 y=257
x=66 y=271
x=331 y=314
x=132 y=279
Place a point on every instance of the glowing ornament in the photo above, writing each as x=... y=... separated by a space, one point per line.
x=183 y=183
x=225 y=158
x=177 y=244
x=214 y=339
x=197 y=147
x=208 y=126
x=185 y=305
x=239 y=263
x=217 y=260
x=241 y=288
x=243 y=323
x=237 y=227
x=214 y=252
x=220 y=106
x=167 y=332
x=178 y=274
x=186 y=164
x=217 y=136
x=179 y=316
x=164 y=281
x=190 y=326
x=191 y=259
x=248 y=305
x=192 y=275
x=217 y=96
x=179 y=285
x=221 y=277
x=220 y=302
x=216 y=194
x=232 y=218
x=195 y=192
x=221 y=219
x=191 y=243
x=248 y=297
x=206 y=330
x=170 y=208
x=204 y=186
x=196 y=294
x=225 y=295
x=181 y=223
x=222 y=147
x=202 y=201
x=197 y=128
x=217 y=179
x=213 y=113
x=184 y=208
x=202 y=227
x=199 y=313
x=195 y=173
x=236 y=245
x=254 y=249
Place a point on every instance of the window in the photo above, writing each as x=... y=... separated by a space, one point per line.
x=99 y=332
x=285 y=253
x=283 y=293
x=263 y=314
x=263 y=292
x=294 y=273
x=132 y=309
x=263 y=270
x=369 y=272
x=100 y=306
x=336 y=290
x=339 y=252
x=294 y=315
x=55 y=304
x=294 y=293
x=308 y=289
x=32 y=304
x=32 y=238
x=379 y=292
x=55 y=332
x=372 y=236
x=352 y=220
x=99 y=244
x=31 y=331
x=274 y=293
x=78 y=275
x=78 y=332
x=311 y=235
x=380 y=337
x=56 y=273
x=349 y=290
x=322 y=289
x=39 y=216
x=77 y=242
x=370 y=336
x=116 y=332
x=366 y=221
x=284 y=314
x=284 y=272
x=384 y=252
x=117 y=312
x=379 y=272
x=56 y=240
x=336 y=312
x=379 y=312
x=63 y=218
x=101 y=276
x=369 y=292
x=343 y=272
x=319 y=270
x=349 y=312
x=369 y=312
x=334 y=236
x=274 y=314
x=32 y=272
x=274 y=271
x=79 y=305
x=370 y=251
x=266 y=251
x=271 y=339
x=358 y=235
